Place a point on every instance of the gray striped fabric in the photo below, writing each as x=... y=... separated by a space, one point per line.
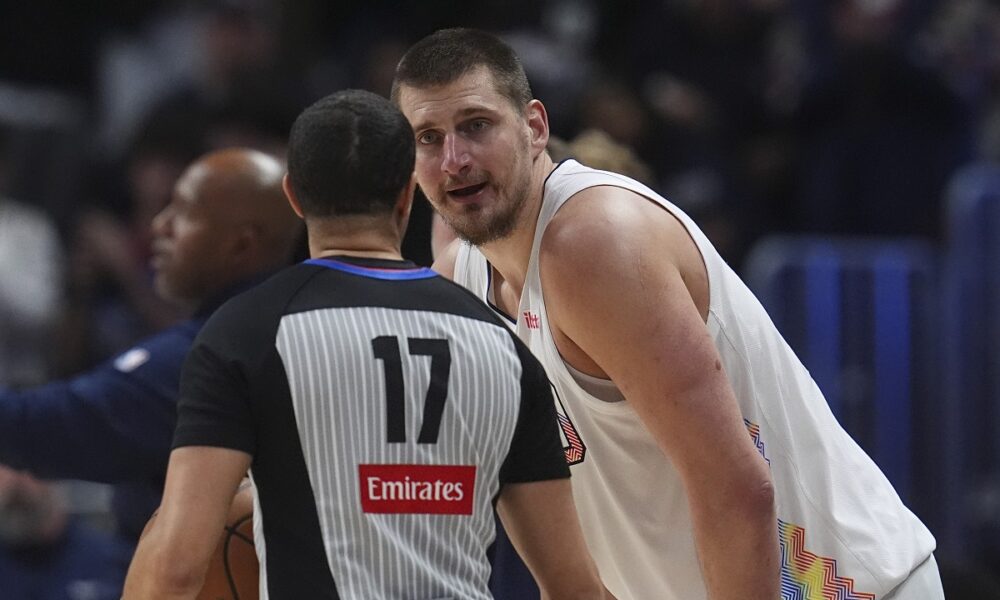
x=339 y=395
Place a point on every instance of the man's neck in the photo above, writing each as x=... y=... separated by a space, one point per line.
x=359 y=236
x=510 y=255
x=380 y=254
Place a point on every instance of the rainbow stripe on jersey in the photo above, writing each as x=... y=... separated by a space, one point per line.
x=805 y=575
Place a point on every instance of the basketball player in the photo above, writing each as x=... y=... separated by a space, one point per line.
x=705 y=461
x=381 y=409
x=228 y=226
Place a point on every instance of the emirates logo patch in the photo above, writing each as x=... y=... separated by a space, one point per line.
x=417 y=489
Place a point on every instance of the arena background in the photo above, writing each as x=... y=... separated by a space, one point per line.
x=842 y=154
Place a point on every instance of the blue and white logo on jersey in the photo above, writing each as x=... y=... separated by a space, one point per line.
x=132 y=360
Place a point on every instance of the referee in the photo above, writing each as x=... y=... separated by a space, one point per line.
x=382 y=411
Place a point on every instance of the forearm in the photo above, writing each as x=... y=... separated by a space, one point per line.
x=738 y=549
x=542 y=523
x=174 y=553
x=154 y=577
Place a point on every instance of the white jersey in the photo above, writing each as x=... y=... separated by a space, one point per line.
x=844 y=532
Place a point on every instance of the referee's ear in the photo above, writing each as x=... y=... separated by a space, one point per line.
x=404 y=203
x=286 y=185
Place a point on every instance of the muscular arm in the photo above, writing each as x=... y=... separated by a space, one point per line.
x=172 y=558
x=541 y=521
x=618 y=275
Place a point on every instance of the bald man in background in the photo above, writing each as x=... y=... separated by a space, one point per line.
x=227 y=227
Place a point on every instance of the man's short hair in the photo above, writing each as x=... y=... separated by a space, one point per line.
x=447 y=54
x=350 y=153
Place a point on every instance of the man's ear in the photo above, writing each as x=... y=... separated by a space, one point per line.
x=286 y=185
x=246 y=241
x=538 y=124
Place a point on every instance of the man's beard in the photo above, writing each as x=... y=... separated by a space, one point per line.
x=482 y=230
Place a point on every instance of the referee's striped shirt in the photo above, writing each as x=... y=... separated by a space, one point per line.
x=384 y=408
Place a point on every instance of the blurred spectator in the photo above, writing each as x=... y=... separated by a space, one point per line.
x=556 y=49
x=227 y=227
x=30 y=290
x=704 y=72
x=214 y=61
x=239 y=77
x=138 y=65
x=45 y=554
x=702 y=68
x=962 y=42
x=111 y=301
x=596 y=149
x=880 y=135
x=613 y=107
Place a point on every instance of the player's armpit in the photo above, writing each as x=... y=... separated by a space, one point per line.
x=541 y=520
x=172 y=558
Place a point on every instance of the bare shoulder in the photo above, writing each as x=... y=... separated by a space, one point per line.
x=604 y=233
x=444 y=264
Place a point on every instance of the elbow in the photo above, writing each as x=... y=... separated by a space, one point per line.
x=748 y=503
x=172 y=575
x=756 y=503
x=179 y=574
x=181 y=583
x=761 y=503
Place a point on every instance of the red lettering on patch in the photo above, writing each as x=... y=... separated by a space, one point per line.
x=417 y=489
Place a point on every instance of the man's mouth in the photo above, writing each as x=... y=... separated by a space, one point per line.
x=467 y=191
x=158 y=258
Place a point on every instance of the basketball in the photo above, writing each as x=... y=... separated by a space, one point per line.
x=233 y=573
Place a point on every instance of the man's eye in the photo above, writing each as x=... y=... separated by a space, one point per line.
x=479 y=125
x=428 y=137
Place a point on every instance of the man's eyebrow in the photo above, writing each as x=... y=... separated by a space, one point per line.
x=462 y=113
x=471 y=110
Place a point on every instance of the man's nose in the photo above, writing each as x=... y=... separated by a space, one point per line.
x=456 y=155
x=161 y=222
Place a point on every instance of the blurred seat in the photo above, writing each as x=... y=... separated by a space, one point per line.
x=43 y=155
x=972 y=345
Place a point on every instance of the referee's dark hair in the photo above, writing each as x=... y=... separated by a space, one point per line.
x=350 y=153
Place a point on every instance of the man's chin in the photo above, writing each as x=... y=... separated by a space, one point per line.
x=162 y=288
x=172 y=294
x=477 y=236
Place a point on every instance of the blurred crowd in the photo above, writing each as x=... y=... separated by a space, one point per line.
x=755 y=116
